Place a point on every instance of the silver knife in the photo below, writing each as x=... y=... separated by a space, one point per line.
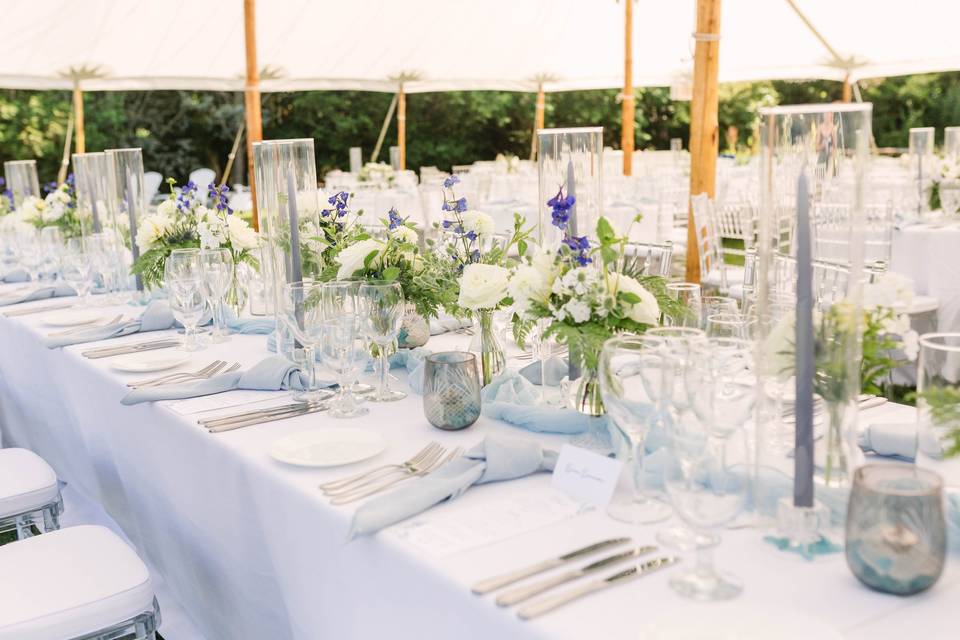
x=488 y=585
x=290 y=413
x=41 y=309
x=546 y=605
x=106 y=352
x=526 y=592
x=254 y=413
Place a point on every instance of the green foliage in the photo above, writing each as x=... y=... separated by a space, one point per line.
x=944 y=406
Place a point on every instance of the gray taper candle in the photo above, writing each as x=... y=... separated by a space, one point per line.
x=132 y=219
x=91 y=188
x=573 y=229
x=295 y=274
x=803 y=454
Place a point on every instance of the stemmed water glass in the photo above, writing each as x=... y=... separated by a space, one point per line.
x=301 y=313
x=382 y=308
x=631 y=371
x=344 y=348
x=730 y=325
x=713 y=305
x=77 y=273
x=183 y=275
x=31 y=252
x=688 y=295
x=51 y=243
x=217 y=267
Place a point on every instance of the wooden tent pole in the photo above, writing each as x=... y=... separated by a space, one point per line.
x=233 y=154
x=65 y=161
x=628 y=106
x=251 y=98
x=538 y=119
x=847 y=90
x=402 y=126
x=81 y=140
x=383 y=129
x=704 y=125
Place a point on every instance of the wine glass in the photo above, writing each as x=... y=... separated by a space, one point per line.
x=730 y=325
x=713 y=305
x=722 y=385
x=382 y=309
x=707 y=485
x=344 y=349
x=217 y=265
x=302 y=314
x=31 y=252
x=628 y=365
x=183 y=275
x=688 y=295
x=51 y=242
x=77 y=273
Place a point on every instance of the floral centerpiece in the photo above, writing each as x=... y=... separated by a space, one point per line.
x=6 y=199
x=945 y=188
x=57 y=209
x=888 y=341
x=585 y=294
x=183 y=221
x=480 y=262
x=378 y=173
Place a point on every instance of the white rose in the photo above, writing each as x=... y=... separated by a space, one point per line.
x=151 y=229
x=483 y=286
x=31 y=209
x=478 y=222
x=353 y=257
x=647 y=311
x=53 y=211
x=527 y=285
x=167 y=208
x=404 y=233
x=578 y=310
x=242 y=235
x=211 y=234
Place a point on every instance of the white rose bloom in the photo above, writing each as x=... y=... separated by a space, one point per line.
x=242 y=235
x=647 y=311
x=62 y=196
x=527 y=285
x=151 y=229
x=352 y=258
x=404 y=233
x=167 y=208
x=578 y=310
x=478 y=222
x=53 y=209
x=483 y=286
x=31 y=209
x=211 y=233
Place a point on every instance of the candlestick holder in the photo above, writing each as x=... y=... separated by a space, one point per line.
x=803 y=530
x=21 y=179
x=921 y=157
x=570 y=164
x=131 y=205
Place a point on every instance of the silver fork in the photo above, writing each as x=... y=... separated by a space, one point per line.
x=219 y=370
x=86 y=327
x=210 y=369
x=359 y=479
x=435 y=464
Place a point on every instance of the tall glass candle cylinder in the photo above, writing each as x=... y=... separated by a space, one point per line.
x=356 y=159
x=130 y=202
x=395 y=158
x=22 y=181
x=810 y=322
x=570 y=164
x=951 y=142
x=921 y=155
x=96 y=192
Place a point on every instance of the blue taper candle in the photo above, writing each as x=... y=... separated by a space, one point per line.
x=295 y=274
x=573 y=229
x=803 y=454
x=91 y=188
x=132 y=219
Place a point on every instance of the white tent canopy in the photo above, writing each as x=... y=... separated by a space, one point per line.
x=456 y=44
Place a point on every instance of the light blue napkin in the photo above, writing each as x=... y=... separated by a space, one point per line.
x=557 y=369
x=413 y=361
x=493 y=460
x=275 y=373
x=893 y=440
x=513 y=399
x=157 y=316
x=43 y=293
x=16 y=275
x=250 y=326
x=445 y=323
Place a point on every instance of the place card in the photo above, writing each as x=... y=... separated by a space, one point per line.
x=586 y=476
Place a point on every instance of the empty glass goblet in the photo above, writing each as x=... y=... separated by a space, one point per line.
x=302 y=314
x=77 y=273
x=217 y=267
x=183 y=275
x=345 y=351
x=688 y=295
x=382 y=309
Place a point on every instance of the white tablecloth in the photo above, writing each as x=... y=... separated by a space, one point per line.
x=253 y=551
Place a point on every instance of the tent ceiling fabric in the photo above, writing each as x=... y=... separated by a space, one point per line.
x=456 y=44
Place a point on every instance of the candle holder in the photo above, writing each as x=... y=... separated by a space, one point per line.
x=951 y=142
x=803 y=530
x=356 y=160
x=570 y=164
x=285 y=172
x=131 y=205
x=810 y=321
x=921 y=157
x=22 y=181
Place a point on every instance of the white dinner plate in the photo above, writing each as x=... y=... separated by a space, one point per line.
x=74 y=317
x=147 y=362
x=327 y=447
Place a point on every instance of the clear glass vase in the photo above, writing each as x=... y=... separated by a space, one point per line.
x=488 y=347
x=585 y=393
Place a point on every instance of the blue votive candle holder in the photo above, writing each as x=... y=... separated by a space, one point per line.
x=896 y=538
x=451 y=390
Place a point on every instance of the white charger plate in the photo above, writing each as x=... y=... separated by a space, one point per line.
x=147 y=362
x=327 y=447
x=74 y=317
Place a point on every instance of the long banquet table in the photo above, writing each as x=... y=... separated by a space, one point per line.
x=253 y=550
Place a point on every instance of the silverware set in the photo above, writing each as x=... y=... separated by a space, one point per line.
x=214 y=368
x=138 y=347
x=260 y=416
x=40 y=309
x=86 y=327
x=368 y=483
x=544 y=605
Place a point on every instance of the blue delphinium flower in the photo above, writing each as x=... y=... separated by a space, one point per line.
x=561 y=206
x=50 y=187
x=450 y=181
x=220 y=195
x=185 y=199
x=459 y=205
x=340 y=202
x=395 y=219
x=580 y=248
x=6 y=193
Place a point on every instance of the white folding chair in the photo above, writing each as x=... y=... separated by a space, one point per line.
x=655 y=256
x=78 y=583
x=714 y=271
x=30 y=501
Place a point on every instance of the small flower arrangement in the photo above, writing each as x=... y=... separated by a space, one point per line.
x=378 y=173
x=886 y=330
x=6 y=199
x=59 y=209
x=182 y=221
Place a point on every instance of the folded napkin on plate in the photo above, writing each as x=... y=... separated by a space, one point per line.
x=493 y=460
x=43 y=293
x=894 y=440
x=250 y=326
x=275 y=373
x=16 y=275
x=445 y=324
x=556 y=367
x=157 y=316
x=513 y=399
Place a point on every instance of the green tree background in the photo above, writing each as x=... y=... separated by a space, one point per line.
x=182 y=130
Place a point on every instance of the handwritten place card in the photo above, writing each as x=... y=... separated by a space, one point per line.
x=586 y=476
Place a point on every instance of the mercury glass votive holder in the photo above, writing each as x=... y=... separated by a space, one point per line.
x=896 y=531
x=451 y=390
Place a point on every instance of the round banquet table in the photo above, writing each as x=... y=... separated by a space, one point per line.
x=252 y=550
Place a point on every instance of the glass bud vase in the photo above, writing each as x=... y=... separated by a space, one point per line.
x=585 y=393
x=492 y=358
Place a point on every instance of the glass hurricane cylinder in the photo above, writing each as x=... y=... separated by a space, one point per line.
x=96 y=189
x=571 y=161
x=938 y=406
x=130 y=202
x=951 y=142
x=921 y=156
x=286 y=176
x=22 y=181
x=808 y=325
